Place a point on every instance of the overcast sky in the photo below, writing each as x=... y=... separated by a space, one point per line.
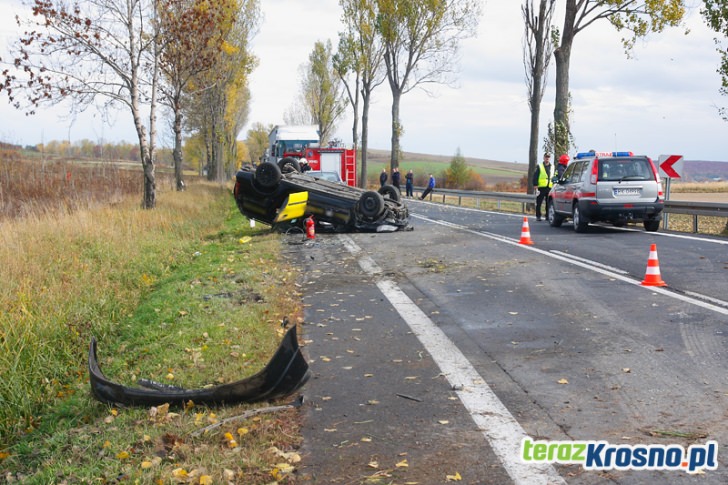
x=662 y=101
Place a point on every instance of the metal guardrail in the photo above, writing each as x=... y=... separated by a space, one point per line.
x=694 y=209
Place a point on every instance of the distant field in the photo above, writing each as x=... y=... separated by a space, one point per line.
x=492 y=171
x=719 y=197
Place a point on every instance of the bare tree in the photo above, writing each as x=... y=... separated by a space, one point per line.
x=715 y=13
x=219 y=100
x=638 y=17
x=344 y=66
x=192 y=44
x=257 y=141
x=321 y=90
x=99 y=52
x=364 y=50
x=421 y=41
x=537 y=51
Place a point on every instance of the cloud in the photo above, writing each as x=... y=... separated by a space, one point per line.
x=660 y=101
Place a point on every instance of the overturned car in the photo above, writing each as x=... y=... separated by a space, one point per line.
x=265 y=192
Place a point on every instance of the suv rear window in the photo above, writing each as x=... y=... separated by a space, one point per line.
x=619 y=169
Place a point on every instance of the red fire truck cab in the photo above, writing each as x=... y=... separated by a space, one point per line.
x=303 y=142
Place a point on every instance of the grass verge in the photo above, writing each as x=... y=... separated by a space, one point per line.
x=186 y=294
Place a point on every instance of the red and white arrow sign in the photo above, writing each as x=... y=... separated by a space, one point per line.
x=671 y=166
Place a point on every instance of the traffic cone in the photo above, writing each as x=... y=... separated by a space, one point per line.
x=525 y=233
x=652 y=274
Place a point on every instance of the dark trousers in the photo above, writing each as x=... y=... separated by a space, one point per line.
x=543 y=193
x=426 y=192
x=408 y=187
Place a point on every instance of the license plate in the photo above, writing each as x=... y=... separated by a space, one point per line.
x=627 y=192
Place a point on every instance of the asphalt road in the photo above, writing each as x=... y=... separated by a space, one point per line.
x=436 y=351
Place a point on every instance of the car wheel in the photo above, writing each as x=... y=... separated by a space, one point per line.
x=371 y=204
x=651 y=226
x=580 y=224
x=267 y=175
x=555 y=219
x=391 y=191
x=289 y=164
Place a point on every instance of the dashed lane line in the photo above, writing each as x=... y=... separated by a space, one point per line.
x=706 y=302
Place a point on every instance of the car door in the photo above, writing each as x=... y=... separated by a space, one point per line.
x=563 y=191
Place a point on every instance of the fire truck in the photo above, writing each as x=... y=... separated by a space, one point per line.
x=302 y=141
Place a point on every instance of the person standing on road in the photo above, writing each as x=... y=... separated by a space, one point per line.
x=396 y=177
x=383 y=177
x=561 y=167
x=542 y=181
x=409 y=181
x=430 y=186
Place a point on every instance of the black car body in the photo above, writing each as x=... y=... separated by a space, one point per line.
x=261 y=193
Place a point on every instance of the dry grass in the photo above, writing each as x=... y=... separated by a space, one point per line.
x=141 y=282
x=707 y=187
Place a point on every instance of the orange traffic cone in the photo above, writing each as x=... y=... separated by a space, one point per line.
x=525 y=233
x=652 y=275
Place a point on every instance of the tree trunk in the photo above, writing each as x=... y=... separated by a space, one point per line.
x=396 y=128
x=364 y=138
x=149 y=184
x=177 y=153
x=533 y=141
x=562 y=56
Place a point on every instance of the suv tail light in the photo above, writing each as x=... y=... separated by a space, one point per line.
x=595 y=171
x=656 y=173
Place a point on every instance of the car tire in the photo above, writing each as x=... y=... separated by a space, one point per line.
x=267 y=175
x=580 y=224
x=651 y=226
x=391 y=191
x=289 y=164
x=371 y=204
x=555 y=219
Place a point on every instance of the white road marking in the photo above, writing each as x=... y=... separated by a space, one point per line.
x=503 y=432
x=700 y=300
x=614 y=228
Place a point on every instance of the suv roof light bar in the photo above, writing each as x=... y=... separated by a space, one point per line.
x=602 y=154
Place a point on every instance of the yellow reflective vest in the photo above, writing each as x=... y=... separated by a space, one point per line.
x=545 y=176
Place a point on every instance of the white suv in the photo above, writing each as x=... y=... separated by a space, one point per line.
x=616 y=187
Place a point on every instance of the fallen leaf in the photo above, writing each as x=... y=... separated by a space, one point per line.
x=179 y=473
x=563 y=381
x=373 y=464
x=281 y=470
x=454 y=478
x=402 y=464
x=122 y=455
x=444 y=421
x=626 y=370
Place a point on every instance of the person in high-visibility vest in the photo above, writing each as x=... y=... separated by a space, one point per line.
x=542 y=181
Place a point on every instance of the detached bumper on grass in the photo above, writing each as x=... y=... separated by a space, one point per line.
x=285 y=373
